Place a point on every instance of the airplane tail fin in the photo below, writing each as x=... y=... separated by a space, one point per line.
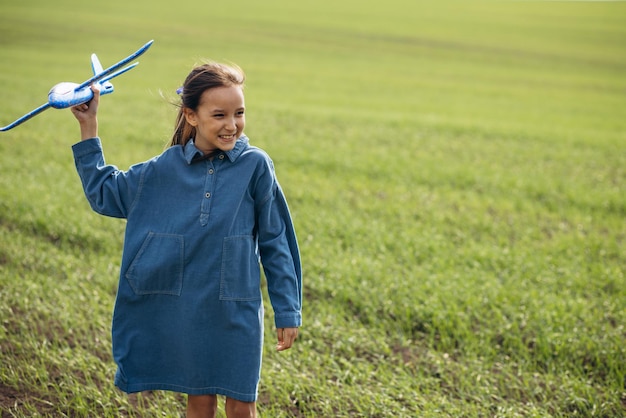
x=107 y=87
x=95 y=65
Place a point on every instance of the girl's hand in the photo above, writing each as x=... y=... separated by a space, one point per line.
x=286 y=337
x=86 y=114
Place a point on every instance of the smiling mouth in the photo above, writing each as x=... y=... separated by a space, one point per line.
x=227 y=137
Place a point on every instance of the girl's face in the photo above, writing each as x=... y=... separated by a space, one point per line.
x=219 y=119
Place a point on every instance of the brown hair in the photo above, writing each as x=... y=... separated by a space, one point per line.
x=200 y=79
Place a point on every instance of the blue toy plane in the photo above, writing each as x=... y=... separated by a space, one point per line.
x=64 y=95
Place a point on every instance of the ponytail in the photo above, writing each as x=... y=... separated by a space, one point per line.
x=183 y=131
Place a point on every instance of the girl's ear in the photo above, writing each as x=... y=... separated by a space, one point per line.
x=190 y=116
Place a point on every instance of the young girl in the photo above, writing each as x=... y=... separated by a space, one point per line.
x=188 y=314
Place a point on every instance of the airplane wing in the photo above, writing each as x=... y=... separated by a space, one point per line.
x=25 y=117
x=102 y=74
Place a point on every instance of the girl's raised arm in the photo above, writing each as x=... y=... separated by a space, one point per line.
x=87 y=115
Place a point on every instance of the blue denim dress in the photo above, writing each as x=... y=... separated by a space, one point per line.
x=188 y=313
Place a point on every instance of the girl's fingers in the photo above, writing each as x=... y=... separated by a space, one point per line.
x=286 y=338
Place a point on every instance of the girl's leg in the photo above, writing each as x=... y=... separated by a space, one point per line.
x=239 y=409
x=201 y=406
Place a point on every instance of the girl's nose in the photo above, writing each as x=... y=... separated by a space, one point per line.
x=231 y=124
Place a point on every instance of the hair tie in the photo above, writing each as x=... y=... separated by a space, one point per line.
x=179 y=91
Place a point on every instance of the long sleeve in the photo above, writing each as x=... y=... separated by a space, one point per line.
x=280 y=258
x=109 y=190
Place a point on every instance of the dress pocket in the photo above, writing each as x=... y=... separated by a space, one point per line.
x=158 y=266
x=240 y=273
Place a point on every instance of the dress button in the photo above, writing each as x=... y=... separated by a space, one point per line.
x=207 y=195
x=221 y=156
x=211 y=171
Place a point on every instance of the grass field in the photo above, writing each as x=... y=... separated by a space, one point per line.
x=456 y=172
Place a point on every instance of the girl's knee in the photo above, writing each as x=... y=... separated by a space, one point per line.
x=201 y=406
x=240 y=409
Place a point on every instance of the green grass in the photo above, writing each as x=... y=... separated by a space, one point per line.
x=456 y=172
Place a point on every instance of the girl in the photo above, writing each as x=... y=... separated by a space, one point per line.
x=188 y=314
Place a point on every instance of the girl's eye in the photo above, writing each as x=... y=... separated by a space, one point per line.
x=240 y=113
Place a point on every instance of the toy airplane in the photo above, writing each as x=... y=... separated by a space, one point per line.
x=64 y=95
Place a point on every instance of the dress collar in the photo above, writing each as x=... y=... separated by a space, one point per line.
x=192 y=153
